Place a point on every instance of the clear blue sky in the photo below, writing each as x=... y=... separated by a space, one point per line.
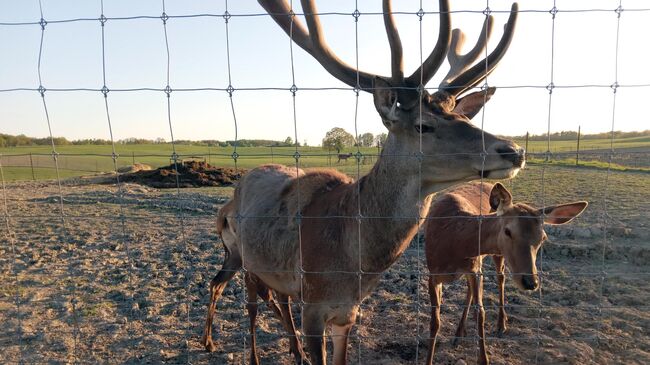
x=136 y=57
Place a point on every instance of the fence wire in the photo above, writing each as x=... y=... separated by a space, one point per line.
x=185 y=219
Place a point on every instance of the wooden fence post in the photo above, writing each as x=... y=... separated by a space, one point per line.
x=526 y=142
x=31 y=163
x=578 y=148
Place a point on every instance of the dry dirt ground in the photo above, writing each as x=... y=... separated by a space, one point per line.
x=124 y=280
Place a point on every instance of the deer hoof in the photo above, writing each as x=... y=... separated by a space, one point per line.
x=209 y=345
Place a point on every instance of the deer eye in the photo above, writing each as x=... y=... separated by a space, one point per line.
x=423 y=128
x=508 y=233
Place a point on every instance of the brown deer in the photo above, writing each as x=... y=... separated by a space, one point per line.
x=324 y=239
x=479 y=219
x=343 y=156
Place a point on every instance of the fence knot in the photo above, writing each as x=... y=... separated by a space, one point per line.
x=105 y=90
x=168 y=90
x=550 y=87
x=420 y=13
x=296 y=156
x=230 y=90
x=618 y=11
x=42 y=23
x=614 y=86
x=42 y=90
x=487 y=11
x=356 y=14
x=293 y=89
x=164 y=17
x=553 y=12
x=235 y=156
x=226 y=16
x=102 y=19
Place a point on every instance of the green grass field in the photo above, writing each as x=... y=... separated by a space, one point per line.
x=90 y=159
x=585 y=144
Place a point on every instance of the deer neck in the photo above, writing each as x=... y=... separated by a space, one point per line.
x=393 y=203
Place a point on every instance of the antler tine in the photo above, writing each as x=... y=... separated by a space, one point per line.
x=283 y=14
x=326 y=57
x=426 y=71
x=480 y=71
x=396 y=53
x=313 y=41
x=459 y=63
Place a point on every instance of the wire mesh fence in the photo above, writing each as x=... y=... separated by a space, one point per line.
x=112 y=271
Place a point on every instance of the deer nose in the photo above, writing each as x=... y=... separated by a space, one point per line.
x=512 y=153
x=529 y=282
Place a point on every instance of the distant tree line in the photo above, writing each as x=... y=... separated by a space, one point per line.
x=338 y=138
x=7 y=140
x=573 y=135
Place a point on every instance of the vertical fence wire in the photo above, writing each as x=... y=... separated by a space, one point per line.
x=180 y=216
x=541 y=273
x=294 y=90
x=419 y=266
x=11 y=245
x=235 y=156
x=55 y=156
x=603 y=275
x=118 y=183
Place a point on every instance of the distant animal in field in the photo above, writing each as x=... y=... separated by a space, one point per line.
x=343 y=157
x=456 y=242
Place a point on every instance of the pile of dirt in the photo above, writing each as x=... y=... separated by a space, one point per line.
x=190 y=174
x=134 y=168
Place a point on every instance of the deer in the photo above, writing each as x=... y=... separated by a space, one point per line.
x=480 y=219
x=323 y=238
x=343 y=156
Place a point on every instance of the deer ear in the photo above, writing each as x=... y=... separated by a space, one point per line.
x=564 y=213
x=385 y=98
x=500 y=198
x=471 y=104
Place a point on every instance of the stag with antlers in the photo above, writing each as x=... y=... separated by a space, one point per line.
x=324 y=239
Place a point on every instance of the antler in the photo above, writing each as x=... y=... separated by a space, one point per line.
x=464 y=78
x=459 y=79
x=314 y=42
x=460 y=63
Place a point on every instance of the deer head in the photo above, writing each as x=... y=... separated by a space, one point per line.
x=431 y=128
x=521 y=232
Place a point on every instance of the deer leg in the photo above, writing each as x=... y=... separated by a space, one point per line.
x=314 y=325
x=435 y=292
x=340 y=336
x=461 y=331
x=251 y=307
x=480 y=318
x=230 y=267
x=500 y=265
x=294 y=340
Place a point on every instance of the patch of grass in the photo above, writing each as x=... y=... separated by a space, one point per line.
x=601 y=165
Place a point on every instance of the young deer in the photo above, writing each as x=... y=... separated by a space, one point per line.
x=324 y=239
x=456 y=243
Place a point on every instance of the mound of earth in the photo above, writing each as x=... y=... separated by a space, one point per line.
x=190 y=174
x=134 y=168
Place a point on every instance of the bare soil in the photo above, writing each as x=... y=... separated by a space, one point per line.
x=120 y=275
